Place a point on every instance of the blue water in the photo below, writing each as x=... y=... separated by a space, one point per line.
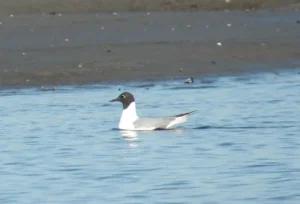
x=243 y=146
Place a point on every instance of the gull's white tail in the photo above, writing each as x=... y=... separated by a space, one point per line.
x=180 y=118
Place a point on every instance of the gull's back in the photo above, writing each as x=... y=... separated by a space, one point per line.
x=160 y=123
x=152 y=123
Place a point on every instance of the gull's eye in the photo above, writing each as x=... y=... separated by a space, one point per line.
x=123 y=96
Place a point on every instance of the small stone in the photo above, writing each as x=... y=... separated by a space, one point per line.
x=80 y=65
x=173 y=29
x=52 y=13
x=108 y=51
x=102 y=28
x=31 y=30
x=0 y=23
x=59 y=14
x=227 y=1
x=219 y=44
x=188 y=26
x=228 y=25
x=27 y=80
x=207 y=26
x=66 y=39
x=23 y=53
x=148 y=13
x=11 y=15
x=213 y=62
x=53 y=88
x=298 y=21
x=194 y=6
x=5 y=70
x=180 y=70
x=115 y=14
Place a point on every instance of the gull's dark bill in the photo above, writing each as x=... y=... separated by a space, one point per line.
x=114 y=100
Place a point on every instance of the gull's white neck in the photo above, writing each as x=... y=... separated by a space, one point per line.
x=128 y=117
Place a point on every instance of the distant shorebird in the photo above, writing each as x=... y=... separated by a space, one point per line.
x=189 y=80
x=42 y=88
x=130 y=121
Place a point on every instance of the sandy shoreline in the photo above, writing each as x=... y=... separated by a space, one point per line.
x=87 y=6
x=38 y=50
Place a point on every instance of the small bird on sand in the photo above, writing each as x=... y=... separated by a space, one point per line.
x=131 y=121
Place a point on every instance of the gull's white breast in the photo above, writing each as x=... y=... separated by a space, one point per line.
x=128 y=117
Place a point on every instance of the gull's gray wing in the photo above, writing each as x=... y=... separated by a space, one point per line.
x=184 y=114
x=161 y=123
x=153 y=123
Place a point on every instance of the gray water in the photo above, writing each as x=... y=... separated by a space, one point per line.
x=243 y=146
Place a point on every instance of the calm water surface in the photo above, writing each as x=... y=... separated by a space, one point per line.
x=243 y=146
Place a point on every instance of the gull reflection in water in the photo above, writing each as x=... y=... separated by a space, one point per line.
x=130 y=136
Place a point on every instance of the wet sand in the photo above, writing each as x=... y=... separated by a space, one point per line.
x=87 y=6
x=79 y=48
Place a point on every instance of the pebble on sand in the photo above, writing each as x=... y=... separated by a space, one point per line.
x=66 y=39
x=298 y=21
x=23 y=53
x=80 y=65
x=228 y=25
x=11 y=15
x=219 y=44
x=180 y=70
x=102 y=28
x=0 y=23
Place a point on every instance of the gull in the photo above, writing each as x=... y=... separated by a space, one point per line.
x=131 y=121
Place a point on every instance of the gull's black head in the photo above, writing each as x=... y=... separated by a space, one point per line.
x=125 y=98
